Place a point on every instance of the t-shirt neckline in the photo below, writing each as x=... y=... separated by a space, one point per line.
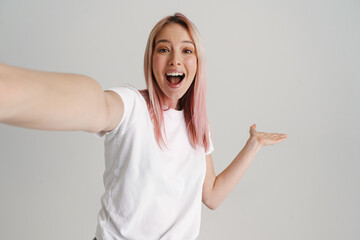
x=179 y=114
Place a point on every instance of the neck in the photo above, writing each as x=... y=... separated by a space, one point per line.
x=175 y=104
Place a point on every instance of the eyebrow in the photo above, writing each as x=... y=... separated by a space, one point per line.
x=167 y=41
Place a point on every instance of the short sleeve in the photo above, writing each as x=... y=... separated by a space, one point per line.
x=211 y=146
x=127 y=95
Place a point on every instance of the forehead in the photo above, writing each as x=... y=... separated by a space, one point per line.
x=173 y=32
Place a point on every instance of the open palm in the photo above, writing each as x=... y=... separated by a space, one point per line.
x=266 y=138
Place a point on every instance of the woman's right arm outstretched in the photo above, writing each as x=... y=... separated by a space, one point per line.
x=56 y=101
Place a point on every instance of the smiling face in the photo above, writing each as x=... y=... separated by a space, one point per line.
x=174 y=61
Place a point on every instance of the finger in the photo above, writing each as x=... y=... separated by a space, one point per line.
x=274 y=137
x=280 y=135
x=280 y=140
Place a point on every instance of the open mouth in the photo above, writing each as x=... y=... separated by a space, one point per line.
x=175 y=78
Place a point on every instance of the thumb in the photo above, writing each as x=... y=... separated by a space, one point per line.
x=252 y=128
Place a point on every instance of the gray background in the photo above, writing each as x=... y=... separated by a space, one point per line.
x=288 y=66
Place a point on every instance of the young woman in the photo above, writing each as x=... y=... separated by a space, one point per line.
x=158 y=164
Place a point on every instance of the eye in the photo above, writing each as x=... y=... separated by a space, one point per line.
x=187 y=51
x=163 y=50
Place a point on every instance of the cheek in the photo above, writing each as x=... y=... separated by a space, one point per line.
x=192 y=65
x=158 y=63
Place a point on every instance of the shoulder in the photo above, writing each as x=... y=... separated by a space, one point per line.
x=122 y=102
x=129 y=94
x=125 y=90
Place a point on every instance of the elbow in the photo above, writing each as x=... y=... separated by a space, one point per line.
x=212 y=207
x=210 y=204
x=4 y=92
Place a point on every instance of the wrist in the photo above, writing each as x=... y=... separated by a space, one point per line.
x=253 y=142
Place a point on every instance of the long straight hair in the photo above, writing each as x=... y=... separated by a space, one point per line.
x=193 y=102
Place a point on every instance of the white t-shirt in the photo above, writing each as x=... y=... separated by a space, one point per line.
x=150 y=193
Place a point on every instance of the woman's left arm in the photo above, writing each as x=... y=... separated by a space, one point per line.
x=216 y=188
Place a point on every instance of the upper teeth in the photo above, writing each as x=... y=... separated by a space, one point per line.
x=174 y=74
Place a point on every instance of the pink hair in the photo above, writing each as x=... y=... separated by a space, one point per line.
x=194 y=100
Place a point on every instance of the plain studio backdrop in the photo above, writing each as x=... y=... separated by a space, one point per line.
x=288 y=66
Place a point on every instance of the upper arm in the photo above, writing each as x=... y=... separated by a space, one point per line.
x=209 y=181
x=115 y=110
x=56 y=101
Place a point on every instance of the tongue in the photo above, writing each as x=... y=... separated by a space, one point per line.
x=174 y=80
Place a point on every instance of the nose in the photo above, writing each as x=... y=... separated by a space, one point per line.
x=174 y=59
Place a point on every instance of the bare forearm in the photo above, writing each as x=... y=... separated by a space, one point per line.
x=49 y=101
x=227 y=179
